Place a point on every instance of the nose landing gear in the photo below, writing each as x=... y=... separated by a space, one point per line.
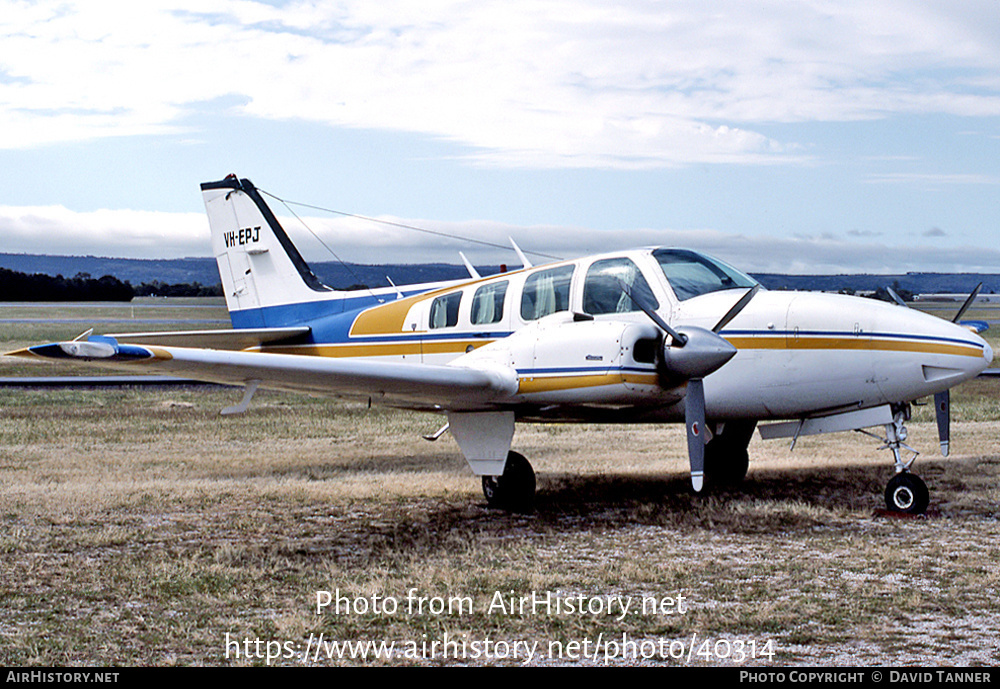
x=906 y=492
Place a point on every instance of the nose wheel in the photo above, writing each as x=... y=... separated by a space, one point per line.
x=906 y=493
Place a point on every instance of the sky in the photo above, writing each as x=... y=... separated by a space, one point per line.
x=814 y=136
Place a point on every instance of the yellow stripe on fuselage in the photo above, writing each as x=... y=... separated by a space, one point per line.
x=388 y=319
x=550 y=383
x=860 y=343
x=389 y=348
x=767 y=342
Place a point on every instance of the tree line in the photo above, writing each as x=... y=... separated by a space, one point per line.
x=17 y=286
x=179 y=289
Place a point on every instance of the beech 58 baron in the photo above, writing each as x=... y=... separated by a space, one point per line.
x=651 y=335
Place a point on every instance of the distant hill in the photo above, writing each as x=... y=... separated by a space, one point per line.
x=204 y=271
x=917 y=283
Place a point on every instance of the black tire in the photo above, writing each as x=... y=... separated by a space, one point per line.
x=726 y=457
x=906 y=493
x=728 y=469
x=514 y=490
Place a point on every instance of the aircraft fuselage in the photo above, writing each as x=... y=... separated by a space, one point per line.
x=575 y=338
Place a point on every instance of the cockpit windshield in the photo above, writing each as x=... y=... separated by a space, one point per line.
x=691 y=274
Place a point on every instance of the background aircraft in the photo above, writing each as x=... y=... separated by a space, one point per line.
x=643 y=336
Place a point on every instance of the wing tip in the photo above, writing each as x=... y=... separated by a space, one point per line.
x=23 y=352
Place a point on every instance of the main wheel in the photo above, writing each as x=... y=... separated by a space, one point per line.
x=906 y=493
x=726 y=469
x=514 y=489
x=726 y=457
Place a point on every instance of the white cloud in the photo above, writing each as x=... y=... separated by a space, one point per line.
x=527 y=83
x=142 y=234
x=120 y=233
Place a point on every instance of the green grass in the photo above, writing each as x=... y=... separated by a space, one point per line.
x=135 y=532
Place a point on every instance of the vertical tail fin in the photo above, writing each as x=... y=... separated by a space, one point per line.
x=260 y=267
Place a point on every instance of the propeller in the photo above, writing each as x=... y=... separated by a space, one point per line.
x=693 y=353
x=968 y=302
x=942 y=400
x=942 y=410
x=736 y=308
x=694 y=421
x=895 y=297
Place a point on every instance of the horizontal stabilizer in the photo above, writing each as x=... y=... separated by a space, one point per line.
x=241 y=338
x=976 y=326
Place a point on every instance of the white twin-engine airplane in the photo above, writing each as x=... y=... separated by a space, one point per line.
x=644 y=336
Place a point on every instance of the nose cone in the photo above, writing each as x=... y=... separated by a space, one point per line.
x=950 y=353
x=976 y=365
x=987 y=352
x=915 y=354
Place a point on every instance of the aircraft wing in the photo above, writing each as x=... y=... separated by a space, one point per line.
x=418 y=386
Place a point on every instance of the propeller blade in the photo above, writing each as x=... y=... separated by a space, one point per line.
x=694 y=419
x=942 y=410
x=737 y=307
x=967 y=304
x=640 y=301
x=898 y=299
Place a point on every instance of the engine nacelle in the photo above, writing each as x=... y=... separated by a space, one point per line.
x=567 y=357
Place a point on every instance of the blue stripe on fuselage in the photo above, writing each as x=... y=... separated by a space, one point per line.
x=848 y=333
x=306 y=313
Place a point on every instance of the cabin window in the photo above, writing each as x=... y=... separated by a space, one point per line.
x=691 y=274
x=546 y=292
x=444 y=311
x=603 y=293
x=487 y=303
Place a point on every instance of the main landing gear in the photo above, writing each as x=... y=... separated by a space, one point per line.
x=906 y=492
x=727 y=458
x=726 y=464
x=514 y=490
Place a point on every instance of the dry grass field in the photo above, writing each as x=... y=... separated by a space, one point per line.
x=138 y=527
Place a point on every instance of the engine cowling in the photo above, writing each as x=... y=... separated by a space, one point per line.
x=576 y=359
